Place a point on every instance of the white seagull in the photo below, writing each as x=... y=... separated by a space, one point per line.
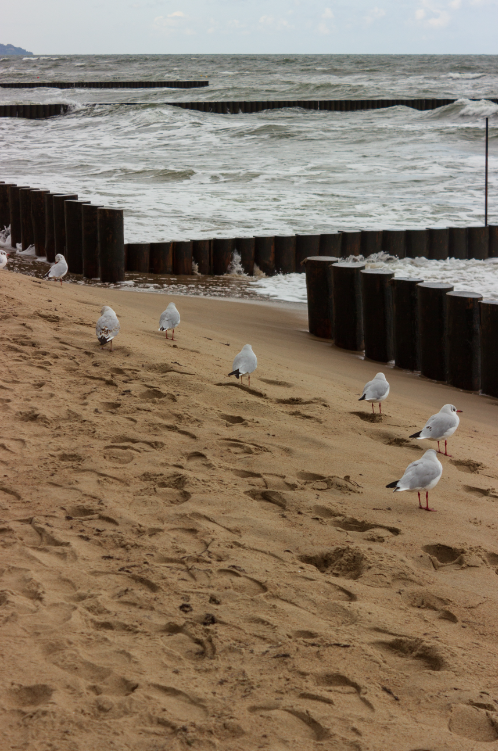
x=58 y=270
x=439 y=426
x=376 y=391
x=244 y=363
x=169 y=319
x=107 y=326
x=4 y=257
x=424 y=474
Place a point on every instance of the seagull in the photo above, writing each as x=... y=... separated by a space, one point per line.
x=58 y=270
x=244 y=363
x=439 y=426
x=424 y=474
x=107 y=326
x=169 y=319
x=4 y=257
x=376 y=391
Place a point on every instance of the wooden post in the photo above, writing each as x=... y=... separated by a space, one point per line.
x=347 y=304
x=111 y=244
x=285 y=254
x=377 y=314
x=405 y=323
x=161 y=258
x=489 y=347
x=432 y=305
x=320 y=321
x=90 y=240
x=464 y=340
x=246 y=247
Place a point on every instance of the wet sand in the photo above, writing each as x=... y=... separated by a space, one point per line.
x=188 y=563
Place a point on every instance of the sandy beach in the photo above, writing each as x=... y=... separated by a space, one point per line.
x=190 y=563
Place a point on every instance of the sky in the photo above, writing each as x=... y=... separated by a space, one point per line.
x=252 y=26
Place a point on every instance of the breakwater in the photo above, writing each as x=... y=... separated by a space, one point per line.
x=33 y=111
x=103 y=84
x=446 y=335
x=41 y=217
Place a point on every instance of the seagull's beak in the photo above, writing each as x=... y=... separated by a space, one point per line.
x=459 y=410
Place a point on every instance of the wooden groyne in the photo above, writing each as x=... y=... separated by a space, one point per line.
x=33 y=111
x=103 y=84
x=427 y=327
x=329 y=105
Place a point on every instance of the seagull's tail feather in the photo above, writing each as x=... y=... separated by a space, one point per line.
x=393 y=485
x=235 y=373
x=103 y=340
x=362 y=397
x=416 y=435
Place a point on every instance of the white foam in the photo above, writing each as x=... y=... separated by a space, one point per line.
x=474 y=276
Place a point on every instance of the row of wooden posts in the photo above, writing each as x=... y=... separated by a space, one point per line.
x=427 y=327
x=33 y=111
x=60 y=223
x=103 y=84
x=37 y=111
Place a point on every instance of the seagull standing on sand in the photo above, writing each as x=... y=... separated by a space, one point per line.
x=440 y=426
x=244 y=363
x=4 y=257
x=169 y=319
x=424 y=474
x=376 y=391
x=58 y=270
x=107 y=326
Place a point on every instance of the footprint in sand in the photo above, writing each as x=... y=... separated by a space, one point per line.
x=368 y=416
x=234 y=420
x=482 y=492
x=474 y=723
x=179 y=705
x=416 y=651
x=332 y=482
x=428 y=601
x=284 y=384
x=30 y=696
x=288 y=724
x=393 y=440
x=467 y=465
x=343 y=687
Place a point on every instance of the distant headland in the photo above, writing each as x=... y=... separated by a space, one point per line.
x=9 y=49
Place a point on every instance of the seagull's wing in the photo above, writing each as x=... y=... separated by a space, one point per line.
x=375 y=389
x=420 y=474
x=245 y=362
x=107 y=327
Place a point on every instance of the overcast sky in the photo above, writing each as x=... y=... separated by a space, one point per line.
x=252 y=26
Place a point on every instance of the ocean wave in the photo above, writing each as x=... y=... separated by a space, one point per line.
x=465 y=76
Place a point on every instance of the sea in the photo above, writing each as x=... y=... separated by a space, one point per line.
x=182 y=174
